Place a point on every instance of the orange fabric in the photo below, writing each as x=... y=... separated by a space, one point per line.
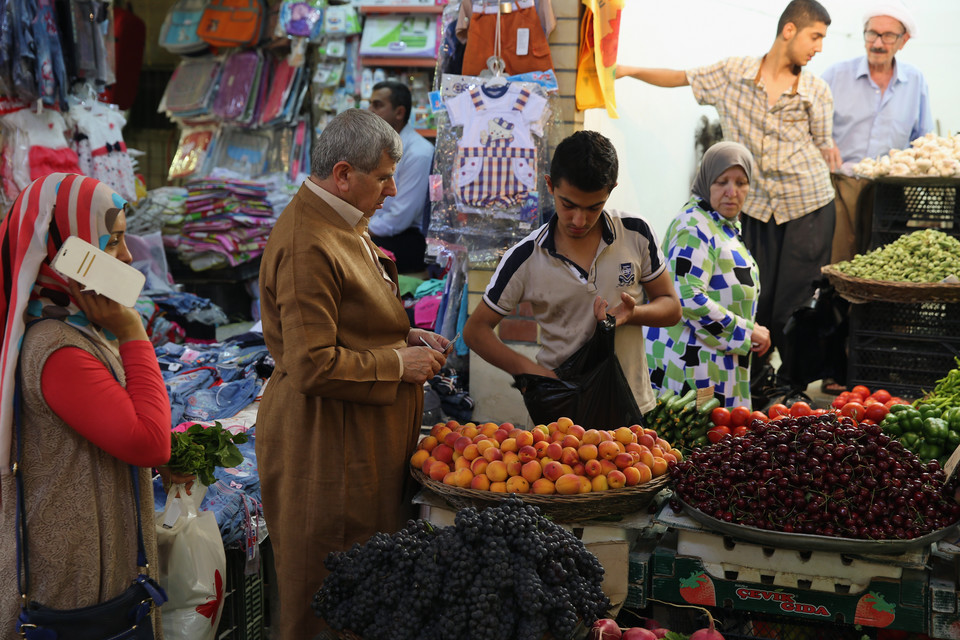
x=598 y=76
x=481 y=42
x=589 y=95
x=231 y=23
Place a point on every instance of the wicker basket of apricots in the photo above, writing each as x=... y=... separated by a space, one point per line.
x=571 y=473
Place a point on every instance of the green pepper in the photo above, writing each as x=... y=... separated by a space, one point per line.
x=935 y=430
x=892 y=429
x=929 y=451
x=898 y=408
x=952 y=416
x=953 y=439
x=910 y=440
x=910 y=420
x=930 y=412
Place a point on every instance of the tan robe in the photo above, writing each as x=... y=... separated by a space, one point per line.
x=81 y=523
x=336 y=425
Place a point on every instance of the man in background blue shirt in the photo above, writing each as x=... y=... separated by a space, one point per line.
x=396 y=227
x=879 y=104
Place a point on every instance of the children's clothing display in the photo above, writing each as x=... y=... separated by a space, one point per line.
x=35 y=145
x=496 y=162
x=522 y=41
x=100 y=147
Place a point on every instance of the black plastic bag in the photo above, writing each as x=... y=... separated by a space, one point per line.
x=591 y=390
x=816 y=333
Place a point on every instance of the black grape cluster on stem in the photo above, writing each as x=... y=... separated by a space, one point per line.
x=820 y=475
x=503 y=573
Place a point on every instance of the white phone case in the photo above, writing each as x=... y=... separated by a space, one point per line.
x=99 y=271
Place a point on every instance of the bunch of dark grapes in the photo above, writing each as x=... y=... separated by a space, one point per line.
x=502 y=573
x=820 y=475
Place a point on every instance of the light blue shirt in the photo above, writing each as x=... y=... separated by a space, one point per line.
x=405 y=209
x=868 y=123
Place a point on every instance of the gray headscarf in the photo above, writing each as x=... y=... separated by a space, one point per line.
x=718 y=159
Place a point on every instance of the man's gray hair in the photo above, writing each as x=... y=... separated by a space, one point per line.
x=357 y=137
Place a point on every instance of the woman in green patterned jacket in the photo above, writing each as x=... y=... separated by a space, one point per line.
x=718 y=283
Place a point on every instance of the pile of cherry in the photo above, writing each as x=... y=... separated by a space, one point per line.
x=818 y=474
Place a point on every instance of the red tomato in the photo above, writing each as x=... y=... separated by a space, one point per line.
x=892 y=401
x=720 y=417
x=876 y=412
x=740 y=431
x=715 y=434
x=739 y=416
x=844 y=395
x=853 y=410
x=778 y=411
x=838 y=402
x=871 y=400
x=819 y=412
x=801 y=408
x=898 y=400
x=758 y=415
x=861 y=390
x=882 y=395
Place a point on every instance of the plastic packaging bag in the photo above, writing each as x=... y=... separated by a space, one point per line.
x=192 y=564
x=591 y=390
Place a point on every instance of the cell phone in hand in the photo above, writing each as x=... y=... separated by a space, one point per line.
x=99 y=271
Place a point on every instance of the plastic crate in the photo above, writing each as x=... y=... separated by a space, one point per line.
x=903 y=348
x=244 y=606
x=904 y=205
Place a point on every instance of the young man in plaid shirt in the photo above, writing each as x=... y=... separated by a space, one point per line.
x=784 y=115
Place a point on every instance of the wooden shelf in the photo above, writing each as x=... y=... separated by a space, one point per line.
x=401 y=8
x=399 y=61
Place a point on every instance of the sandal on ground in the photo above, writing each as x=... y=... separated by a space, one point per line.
x=831 y=387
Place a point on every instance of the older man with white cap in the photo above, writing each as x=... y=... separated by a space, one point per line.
x=879 y=104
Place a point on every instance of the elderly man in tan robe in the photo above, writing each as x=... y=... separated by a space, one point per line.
x=341 y=413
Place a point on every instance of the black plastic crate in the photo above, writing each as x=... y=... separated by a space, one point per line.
x=903 y=348
x=905 y=205
x=244 y=606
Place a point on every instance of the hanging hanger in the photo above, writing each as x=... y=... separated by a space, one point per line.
x=495 y=63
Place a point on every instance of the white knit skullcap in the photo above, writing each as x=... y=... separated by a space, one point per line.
x=895 y=9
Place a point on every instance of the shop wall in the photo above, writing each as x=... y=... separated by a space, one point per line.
x=655 y=132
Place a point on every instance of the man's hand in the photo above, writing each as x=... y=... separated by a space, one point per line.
x=420 y=363
x=621 y=313
x=422 y=337
x=832 y=157
x=760 y=340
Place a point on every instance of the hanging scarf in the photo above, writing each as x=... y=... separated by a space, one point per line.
x=45 y=213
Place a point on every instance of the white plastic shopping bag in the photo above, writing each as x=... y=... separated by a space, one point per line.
x=192 y=566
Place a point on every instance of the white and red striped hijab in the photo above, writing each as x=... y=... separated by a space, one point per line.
x=43 y=216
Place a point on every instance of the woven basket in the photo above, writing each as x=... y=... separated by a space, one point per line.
x=859 y=290
x=572 y=508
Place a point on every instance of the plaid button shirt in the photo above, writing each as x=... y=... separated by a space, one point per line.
x=785 y=139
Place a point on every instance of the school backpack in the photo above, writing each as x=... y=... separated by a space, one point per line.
x=178 y=34
x=232 y=23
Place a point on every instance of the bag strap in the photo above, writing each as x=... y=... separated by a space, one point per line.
x=23 y=558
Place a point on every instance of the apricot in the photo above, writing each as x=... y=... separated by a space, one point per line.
x=461 y=463
x=616 y=479
x=543 y=486
x=479 y=466
x=554 y=450
x=576 y=431
x=646 y=440
x=607 y=466
x=532 y=471
x=509 y=444
x=480 y=482
x=599 y=483
x=646 y=458
x=489 y=428
x=552 y=471
x=586 y=484
x=570 y=441
x=527 y=453
x=588 y=452
x=470 y=432
x=451 y=439
x=670 y=458
x=568 y=484
x=510 y=456
x=645 y=473
x=518 y=484
x=500 y=435
x=540 y=448
x=463 y=478
x=497 y=471
x=570 y=456
x=471 y=452
x=579 y=469
x=656 y=451
x=443 y=453
x=608 y=450
x=632 y=474
x=563 y=424
x=450 y=478
x=557 y=436
x=606 y=436
x=440 y=432
x=633 y=447
x=593 y=468
x=623 y=460
x=418 y=458
x=566 y=468
x=492 y=453
x=659 y=467
x=514 y=467
x=428 y=443
x=426 y=465
x=590 y=436
x=484 y=444
x=624 y=435
x=663 y=444
x=524 y=439
x=498 y=487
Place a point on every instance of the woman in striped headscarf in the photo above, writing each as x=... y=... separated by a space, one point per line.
x=92 y=403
